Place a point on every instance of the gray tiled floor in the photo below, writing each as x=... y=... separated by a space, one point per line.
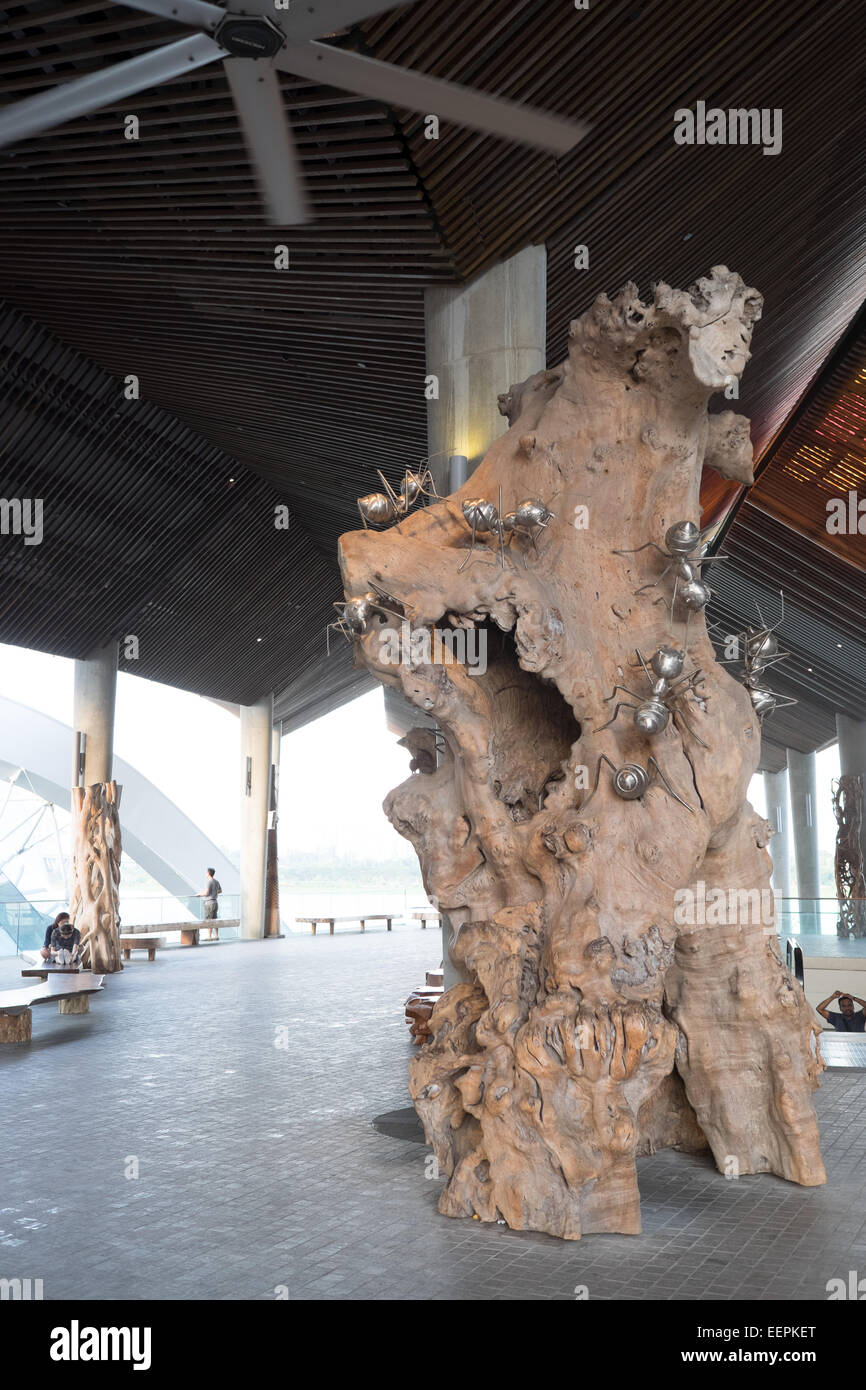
x=259 y=1166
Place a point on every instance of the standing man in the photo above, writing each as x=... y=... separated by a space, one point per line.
x=211 y=893
x=846 y=1020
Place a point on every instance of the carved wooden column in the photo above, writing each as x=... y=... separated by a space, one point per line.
x=596 y=1024
x=96 y=850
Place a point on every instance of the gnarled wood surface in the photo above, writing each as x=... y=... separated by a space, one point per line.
x=96 y=850
x=591 y=1027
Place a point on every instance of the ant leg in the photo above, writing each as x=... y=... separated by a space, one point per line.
x=649 y=545
x=678 y=715
x=395 y=501
x=625 y=689
x=666 y=784
x=674 y=595
x=656 y=581
x=602 y=759
x=646 y=669
x=623 y=704
x=363 y=518
x=469 y=551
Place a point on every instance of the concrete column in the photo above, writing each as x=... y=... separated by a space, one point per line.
x=852 y=756
x=776 y=790
x=481 y=339
x=256 y=748
x=93 y=704
x=272 y=884
x=802 y=788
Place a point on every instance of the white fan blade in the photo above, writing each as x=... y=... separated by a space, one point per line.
x=85 y=94
x=314 y=18
x=271 y=148
x=196 y=13
x=337 y=67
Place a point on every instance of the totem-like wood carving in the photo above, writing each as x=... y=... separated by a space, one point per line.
x=586 y=827
x=850 y=875
x=96 y=850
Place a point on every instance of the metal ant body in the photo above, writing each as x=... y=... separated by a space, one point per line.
x=685 y=551
x=631 y=781
x=355 y=614
x=667 y=686
x=529 y=518
x=760 y=648
x=380 y=508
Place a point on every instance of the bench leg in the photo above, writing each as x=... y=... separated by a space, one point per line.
x=16 y=1028
x=78 y=1004
x=313 y=925
x=127 y=951
x=151 y=953
x=189 y=937
x=331 y=920
x=389 y=923
x=363 y=923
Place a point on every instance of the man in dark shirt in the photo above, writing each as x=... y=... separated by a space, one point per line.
x=846 y=1020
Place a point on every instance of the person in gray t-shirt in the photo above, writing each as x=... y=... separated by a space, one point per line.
x=211 y=893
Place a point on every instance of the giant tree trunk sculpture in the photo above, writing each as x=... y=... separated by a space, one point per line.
x=96 y=850
x=598 y=1019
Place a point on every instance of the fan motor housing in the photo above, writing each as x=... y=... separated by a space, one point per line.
x=249 y=38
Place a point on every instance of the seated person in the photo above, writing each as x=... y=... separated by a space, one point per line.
x=65 y=943
x=59 y=920
x=846 y=1020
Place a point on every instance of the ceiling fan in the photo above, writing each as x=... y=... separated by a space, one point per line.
x=256 y=40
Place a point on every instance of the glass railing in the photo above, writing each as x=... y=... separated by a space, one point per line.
x=23 y=924
x=820 y=917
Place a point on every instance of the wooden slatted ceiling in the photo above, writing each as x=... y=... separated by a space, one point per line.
x=823 y=459
x=153 y=257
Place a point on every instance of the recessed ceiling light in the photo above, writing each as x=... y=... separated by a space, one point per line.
x=258 y=639
x=838 y=644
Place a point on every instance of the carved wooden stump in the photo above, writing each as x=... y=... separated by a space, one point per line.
x=78 y=1004
x=96 y=851
x=593 y=1023
x=16 y=1028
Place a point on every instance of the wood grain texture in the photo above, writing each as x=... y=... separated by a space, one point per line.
x=591 y=1024
x=96 y=851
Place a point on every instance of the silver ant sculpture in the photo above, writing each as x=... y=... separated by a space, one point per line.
x=529 y=518
x=760 y=647
x=631 y=781
x=355 y=615
x=685 y=551
x=381 y=508
x=667 y=686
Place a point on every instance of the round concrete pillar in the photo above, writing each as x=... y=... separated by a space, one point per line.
x=256 y=747
x=93 y=702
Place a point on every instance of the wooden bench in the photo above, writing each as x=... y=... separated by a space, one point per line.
x=364 y=918
x=139 y=942
x=425 y=917
x=71 y=989
x=188 y=930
